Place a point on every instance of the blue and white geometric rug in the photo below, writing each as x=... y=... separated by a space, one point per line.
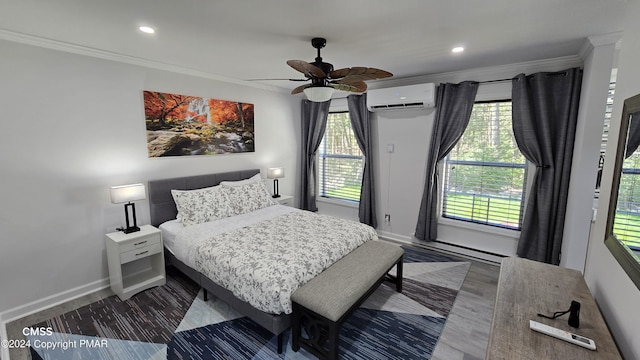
x=173 y=322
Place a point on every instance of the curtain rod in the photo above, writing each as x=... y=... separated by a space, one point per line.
x=479 y=82
x=492 y=81
x=555 y=73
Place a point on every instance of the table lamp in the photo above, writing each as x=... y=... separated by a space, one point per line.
x=126 y=194
x=275 y=173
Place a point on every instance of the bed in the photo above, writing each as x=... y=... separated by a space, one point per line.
x=273 y=222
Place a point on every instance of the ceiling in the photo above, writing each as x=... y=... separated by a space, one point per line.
x=245 y=40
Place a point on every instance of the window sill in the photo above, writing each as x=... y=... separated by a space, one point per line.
x=479 y=227
x=345 y=203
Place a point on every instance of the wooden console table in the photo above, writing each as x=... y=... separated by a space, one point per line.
x=526 y=288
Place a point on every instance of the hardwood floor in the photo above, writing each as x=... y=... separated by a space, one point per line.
x=465 y=335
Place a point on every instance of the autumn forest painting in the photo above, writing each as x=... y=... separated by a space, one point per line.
x=190 y=125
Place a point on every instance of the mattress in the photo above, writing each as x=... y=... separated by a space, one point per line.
x=169 y=230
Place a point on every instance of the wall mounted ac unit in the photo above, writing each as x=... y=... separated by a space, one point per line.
x=402 y=97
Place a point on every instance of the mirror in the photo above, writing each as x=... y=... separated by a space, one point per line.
x=623 y=222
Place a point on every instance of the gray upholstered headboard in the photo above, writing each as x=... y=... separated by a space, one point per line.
x=161 y=205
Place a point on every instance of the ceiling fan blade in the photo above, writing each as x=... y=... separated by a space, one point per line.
x=299 y=89
x=357 y=86
x=359 y=73
x=307 y=69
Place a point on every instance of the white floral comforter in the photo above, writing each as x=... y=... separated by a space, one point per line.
x=264 y=263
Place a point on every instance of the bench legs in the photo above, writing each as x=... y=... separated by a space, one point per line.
x=398 y=279
x=321 y=334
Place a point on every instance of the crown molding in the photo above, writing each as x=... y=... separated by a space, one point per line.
x=132 y=60
x=592 y=42
x=486 y=73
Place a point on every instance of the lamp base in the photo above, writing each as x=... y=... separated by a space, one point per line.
x=275 y=189
x=130 y=229
x=134 y=227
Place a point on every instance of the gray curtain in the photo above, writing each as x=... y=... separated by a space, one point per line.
x=361 y=124
x=314 y=122
x=545 y=113
x=454 y=103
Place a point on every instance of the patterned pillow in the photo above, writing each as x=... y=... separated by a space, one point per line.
x=254 y=179
x=249 y=197
x=202 y=205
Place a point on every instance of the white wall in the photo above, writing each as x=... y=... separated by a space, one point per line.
x=72 y=126
x=598 y=53
x=400 y=173
x=616 y=295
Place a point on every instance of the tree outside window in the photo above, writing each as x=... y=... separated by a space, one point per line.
x=485 y=173
x=341 y=161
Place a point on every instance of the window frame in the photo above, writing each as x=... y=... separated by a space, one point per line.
x=529 y=169
x=320 y=161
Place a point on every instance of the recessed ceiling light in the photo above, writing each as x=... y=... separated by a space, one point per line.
x=457 y=49
x=147 y=29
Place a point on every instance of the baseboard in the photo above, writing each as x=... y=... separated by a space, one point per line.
x=443 y=247
x=460 y=250
x=53 y=300
x=394 y=237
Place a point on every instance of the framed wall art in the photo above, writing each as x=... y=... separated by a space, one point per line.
x=179 y=125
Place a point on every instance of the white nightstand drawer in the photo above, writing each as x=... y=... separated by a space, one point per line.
x=139 y=243
x=135 y=254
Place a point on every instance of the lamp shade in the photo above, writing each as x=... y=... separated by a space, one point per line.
x=318 y=93
x=126 y=193
x=275 y=173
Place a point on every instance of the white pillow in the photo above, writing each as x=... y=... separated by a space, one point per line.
x=202 y=205
x=249 y=197
x=254 y=179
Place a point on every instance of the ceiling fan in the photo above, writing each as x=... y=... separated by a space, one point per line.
x=324 y=79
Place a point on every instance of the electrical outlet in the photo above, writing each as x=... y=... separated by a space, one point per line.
x=387 y=217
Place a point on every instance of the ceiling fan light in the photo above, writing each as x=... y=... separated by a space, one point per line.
x=147 y=29
x=318 y=93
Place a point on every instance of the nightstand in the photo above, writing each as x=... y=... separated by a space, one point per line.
x=285 y=200
x=136 y=261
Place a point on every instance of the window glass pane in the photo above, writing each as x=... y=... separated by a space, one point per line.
x=626 y=224
x=341 y=161
x=485 y=172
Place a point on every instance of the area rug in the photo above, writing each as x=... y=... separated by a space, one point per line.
x=173 y=322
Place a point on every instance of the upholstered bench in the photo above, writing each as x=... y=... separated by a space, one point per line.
x=323 y=304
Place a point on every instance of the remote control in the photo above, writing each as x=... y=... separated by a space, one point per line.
x=562 y=335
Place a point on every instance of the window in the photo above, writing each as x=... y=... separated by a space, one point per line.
x=626 y=225
x=485 y=173
x=341 y=161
